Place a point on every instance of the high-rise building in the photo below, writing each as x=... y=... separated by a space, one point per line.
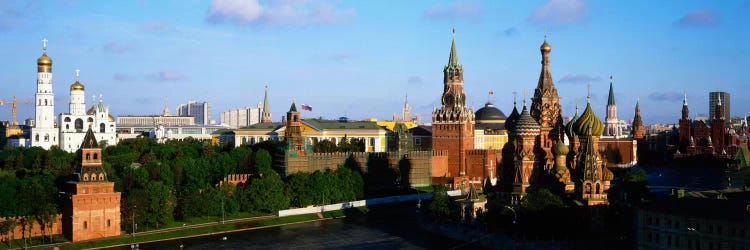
x=200 y=111
x=242 y=117
x=44 y=134
x=713 y=100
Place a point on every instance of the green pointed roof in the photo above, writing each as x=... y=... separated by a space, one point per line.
x=89 y=140
x=266 y=107
x=453 y=59
x=611 y=100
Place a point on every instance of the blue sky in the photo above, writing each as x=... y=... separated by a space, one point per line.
x=360 y=58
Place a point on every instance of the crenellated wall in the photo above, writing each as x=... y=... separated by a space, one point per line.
x=37 y=229
x=420 y=163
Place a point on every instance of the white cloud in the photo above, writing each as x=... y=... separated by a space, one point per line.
x=454 y=10
x=278 y=13
x=560 y=12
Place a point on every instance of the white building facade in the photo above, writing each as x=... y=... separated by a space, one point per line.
x=76 y=122
x=44 y=133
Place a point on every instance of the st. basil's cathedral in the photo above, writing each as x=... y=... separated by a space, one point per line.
x=536 y=154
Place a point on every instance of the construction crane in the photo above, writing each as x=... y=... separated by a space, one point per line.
x=14 y=110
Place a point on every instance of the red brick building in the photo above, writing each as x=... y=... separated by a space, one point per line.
x=453 y=122
x=93 y=208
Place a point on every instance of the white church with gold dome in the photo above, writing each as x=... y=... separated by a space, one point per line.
x=68 y=134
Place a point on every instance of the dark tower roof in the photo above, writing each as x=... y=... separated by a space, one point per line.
x=89 y=140
x=293 y=108
x=611 y=100
x=266 y=106
x=489 y=113
x=637 y=121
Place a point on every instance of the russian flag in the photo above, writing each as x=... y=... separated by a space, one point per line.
x=306 y=107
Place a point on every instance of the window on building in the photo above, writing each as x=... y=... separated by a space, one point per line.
x=67 y=119
x=109 y=223
x=102 y=128
x=418 y=141
x=85 y=225
x=79 y=124
x=90 y=120
x=88 y=156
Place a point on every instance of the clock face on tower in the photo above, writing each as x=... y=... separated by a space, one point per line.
x=448 y=99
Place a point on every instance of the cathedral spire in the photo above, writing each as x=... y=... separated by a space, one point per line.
x=611 y=99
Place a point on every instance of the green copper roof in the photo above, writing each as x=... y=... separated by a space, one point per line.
x=611 y=100
x=453 y=59
x=266 y=107
x=293 y=108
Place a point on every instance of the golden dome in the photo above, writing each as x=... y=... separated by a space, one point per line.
x=76 y=86
x=44 y=60
x=545 y=47
x=111 y=119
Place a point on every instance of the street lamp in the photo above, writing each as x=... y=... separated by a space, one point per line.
x=514 y=213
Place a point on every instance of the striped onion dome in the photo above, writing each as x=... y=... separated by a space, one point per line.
x=588 y=120
x=526 y=124
x=569 y=127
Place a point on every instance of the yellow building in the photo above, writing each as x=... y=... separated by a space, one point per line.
x=489 y=130
x=313 y=131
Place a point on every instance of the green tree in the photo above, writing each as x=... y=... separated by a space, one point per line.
x=541 y=200
x=266 y=194
x=157 y=203
x=441 y=208
x=325 y=146
x=298 y=190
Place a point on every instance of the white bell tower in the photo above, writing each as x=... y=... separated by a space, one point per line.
x=44 y=134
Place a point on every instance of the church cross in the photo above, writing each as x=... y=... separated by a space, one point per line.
x=45 y=44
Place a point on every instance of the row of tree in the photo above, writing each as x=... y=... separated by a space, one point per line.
x=176 y=180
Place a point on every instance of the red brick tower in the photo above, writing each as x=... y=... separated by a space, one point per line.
x=545 y=108
x=639 y=130
x=685 y=122
x=293 y=132
x=453 y=122
x=717 y=128
x=526 y=133
x=93 y=210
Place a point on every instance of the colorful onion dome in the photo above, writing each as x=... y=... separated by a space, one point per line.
x=569 y=129
x=588 y=124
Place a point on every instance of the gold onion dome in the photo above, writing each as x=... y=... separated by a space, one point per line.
x=44 y=60
x=588 y=124
x=76 y=86
x=545 y=46
x=560 y=148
